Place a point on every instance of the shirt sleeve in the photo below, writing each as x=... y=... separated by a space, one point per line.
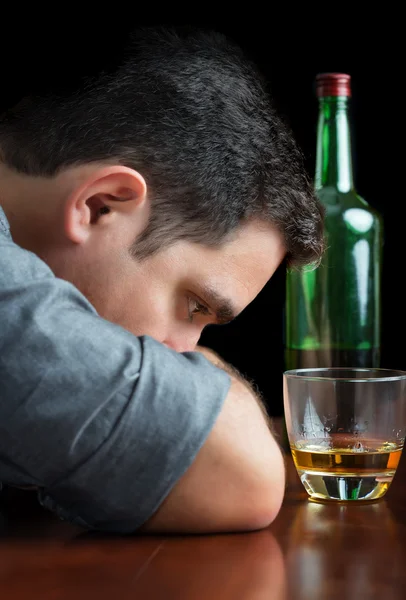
x=102 y=422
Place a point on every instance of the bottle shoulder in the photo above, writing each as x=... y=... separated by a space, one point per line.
x=336 y=202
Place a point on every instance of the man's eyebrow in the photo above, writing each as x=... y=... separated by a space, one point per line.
x=222 y=307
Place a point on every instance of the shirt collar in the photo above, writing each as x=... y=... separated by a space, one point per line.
x=4 y=224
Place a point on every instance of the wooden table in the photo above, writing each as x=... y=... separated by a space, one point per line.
x=312 y=551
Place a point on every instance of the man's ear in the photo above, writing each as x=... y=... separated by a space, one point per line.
x=106 y=193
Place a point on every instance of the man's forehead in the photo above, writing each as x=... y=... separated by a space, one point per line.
x=242 y=270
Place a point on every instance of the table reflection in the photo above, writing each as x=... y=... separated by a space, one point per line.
x=345 y=551
x=242 y=566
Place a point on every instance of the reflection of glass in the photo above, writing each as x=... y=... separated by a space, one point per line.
x=341 y=551
x=346 y=430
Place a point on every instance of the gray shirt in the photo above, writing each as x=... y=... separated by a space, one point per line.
x=103 y=423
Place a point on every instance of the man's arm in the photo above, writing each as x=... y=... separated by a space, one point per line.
x=237 y=480
x=117 y=432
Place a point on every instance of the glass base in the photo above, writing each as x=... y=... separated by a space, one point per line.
x=327 y=486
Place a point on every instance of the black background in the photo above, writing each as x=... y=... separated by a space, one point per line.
x=290 y=48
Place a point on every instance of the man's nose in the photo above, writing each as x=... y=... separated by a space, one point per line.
x=182 y=343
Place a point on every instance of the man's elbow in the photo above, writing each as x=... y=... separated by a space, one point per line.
x=267 y=506
x=265 y=497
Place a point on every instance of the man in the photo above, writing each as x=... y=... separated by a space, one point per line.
x=153 y=200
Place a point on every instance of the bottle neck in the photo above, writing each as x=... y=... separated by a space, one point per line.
x=334 y=160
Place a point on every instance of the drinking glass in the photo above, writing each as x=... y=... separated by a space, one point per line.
x=346 y=429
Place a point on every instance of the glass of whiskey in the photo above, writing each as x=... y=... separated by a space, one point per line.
x=346 y=430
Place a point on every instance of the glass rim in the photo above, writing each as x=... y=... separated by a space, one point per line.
x=396 y=374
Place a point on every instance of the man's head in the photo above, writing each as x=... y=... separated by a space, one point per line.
x=161 y=188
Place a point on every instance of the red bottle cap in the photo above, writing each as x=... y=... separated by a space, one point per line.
x=333 y=84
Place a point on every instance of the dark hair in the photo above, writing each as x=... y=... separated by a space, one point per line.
x=189 y=112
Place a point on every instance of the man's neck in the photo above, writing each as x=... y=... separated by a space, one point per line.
x=10 y=191
x=28 y=203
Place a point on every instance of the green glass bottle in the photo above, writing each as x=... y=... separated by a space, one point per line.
x=332 y=313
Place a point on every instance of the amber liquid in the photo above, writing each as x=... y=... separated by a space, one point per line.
x=344 y=467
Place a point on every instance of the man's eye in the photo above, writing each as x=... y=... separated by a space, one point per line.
x=195 y=308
